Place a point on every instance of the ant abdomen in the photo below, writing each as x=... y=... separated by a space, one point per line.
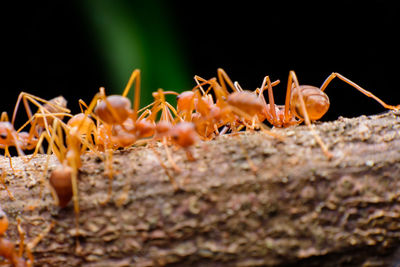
x=61 y=181
x=115 y=109
x=316 y=102
x=3 y=222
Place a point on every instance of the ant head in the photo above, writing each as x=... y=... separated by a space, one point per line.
x=316 y=102
x=184 y=134
x=162 y=128
x=3 y=222
x=115 y=109
x=185 y=100
x=6 y=129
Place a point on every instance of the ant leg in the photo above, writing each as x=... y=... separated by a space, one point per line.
x=3 y=183
x=75 y=199
x=145 y=113
x=169 y=156
x=82 y=104
x=122 y=198
x=359 y=88
x=8 y=155
x=291 y=80
x=167 y=106
x=189 y=155
x=134 y=76
x=262 y=126
x=170 y=177
x=238 y=87
x=252 y=166
x=110 y=173
x=27 y=109
x=32 y=244
x=93 y=103
x=174 y=111
x=272 y=111
x=212 y=85
x=21 y=238
x=310 y=126
x=200 y=82
x=51 y=148
x=165 y=114
x=4 y=116
x=35 y=101
x=222 y=78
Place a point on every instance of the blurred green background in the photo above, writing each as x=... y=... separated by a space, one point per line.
x=71 y=48
x=137 y=34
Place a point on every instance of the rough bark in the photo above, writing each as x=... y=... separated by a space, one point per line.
x=297 y=209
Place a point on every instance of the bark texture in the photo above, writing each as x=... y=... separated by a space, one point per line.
x=286 y=206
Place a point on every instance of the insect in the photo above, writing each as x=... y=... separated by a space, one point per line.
x=305 y=103
x=111 y=111
x=64 y=179
x=229 y=110
x=48 y=110
x=21 y=140
x=56 y=106
x=7 y=247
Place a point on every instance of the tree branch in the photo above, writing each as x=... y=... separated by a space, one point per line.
x=248 y=200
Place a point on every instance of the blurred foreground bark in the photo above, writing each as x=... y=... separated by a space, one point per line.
x=286 y=206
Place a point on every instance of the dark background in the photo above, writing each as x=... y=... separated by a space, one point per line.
x=51 y=48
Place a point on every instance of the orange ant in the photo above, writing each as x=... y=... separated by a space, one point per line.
x=7 y=248
x=305 y=103
x=33 y=139
x=111 y=111
x=40 y=120
x=238 y=108
x=64 y=179
x=9 y=137
x=168 y=128
x=56 y=106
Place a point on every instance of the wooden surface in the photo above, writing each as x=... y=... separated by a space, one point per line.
x=295 y=208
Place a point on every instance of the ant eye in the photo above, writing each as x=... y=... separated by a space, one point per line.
x=3 y=136
x=175 y=137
